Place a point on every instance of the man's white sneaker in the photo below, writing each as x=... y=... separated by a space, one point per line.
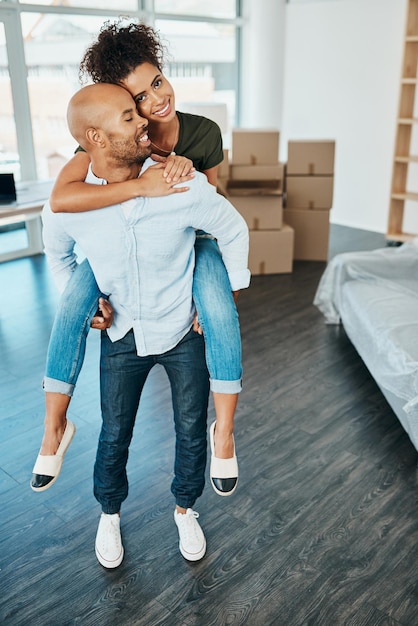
x=192 y=542
x=109 y=548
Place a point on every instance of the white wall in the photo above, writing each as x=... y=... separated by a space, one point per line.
x=262 y=63
x=342 y=68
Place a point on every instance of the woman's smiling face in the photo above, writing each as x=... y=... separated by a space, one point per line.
x=152 y=93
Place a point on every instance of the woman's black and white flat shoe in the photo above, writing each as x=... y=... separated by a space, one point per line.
x=48 y=466
x=223 y=472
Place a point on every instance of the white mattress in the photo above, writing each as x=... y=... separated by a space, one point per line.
x=375 y=296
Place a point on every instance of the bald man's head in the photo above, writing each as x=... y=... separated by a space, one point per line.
x=92 y=106
x=103 y=117
x=84 y=110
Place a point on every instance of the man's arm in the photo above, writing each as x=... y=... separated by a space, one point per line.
x=62 y=259
x=58 y=247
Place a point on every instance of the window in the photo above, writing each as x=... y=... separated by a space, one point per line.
x=218 y=8
x=54 y=45
x=47 y=47
x=9 y=157
x=105 y=5
x=202 y=68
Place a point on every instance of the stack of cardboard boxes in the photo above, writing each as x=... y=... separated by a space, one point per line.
x=253 y=181
x=286 y=206
x=309 y=192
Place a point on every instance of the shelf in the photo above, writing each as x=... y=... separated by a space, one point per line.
x=404 y=237
x=405 y=132
x=408 y=120
x=406 y=159
x=405 y=196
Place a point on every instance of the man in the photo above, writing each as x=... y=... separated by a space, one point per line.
x=141 y=253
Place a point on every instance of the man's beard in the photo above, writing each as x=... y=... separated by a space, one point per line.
x=128 y=152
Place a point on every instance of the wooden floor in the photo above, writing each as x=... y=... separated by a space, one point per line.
x=322 y=530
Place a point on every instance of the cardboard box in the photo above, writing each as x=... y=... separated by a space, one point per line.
x=253 y=187
x=221 y=186
x=271 y=251
x=224 y=167
x=255 y=146
x=309 y=192
x=312 y=230
x=257 y=172
x=312 y=158
x=260 y=212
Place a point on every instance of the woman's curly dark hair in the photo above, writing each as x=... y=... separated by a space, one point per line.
x=119 y=49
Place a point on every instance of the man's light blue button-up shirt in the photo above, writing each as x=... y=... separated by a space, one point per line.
x=142 y=255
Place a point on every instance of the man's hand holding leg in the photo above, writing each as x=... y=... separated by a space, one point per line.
x=104 y=315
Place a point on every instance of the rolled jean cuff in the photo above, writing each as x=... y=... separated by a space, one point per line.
x=52 y=385
x=225 y=386
x=111 y=508
x=185 y=504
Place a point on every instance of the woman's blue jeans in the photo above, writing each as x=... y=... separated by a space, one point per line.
x=67 y=343
x=214 y=302
x=218 y=317
x=122 y=377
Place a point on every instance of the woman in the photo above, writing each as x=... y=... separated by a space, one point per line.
x=132 y=56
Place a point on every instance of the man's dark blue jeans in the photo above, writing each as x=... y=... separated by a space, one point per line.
x=122 y=377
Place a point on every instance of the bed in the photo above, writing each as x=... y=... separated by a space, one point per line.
x=375 y=296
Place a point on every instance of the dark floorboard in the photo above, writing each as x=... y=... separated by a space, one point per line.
x=322 y=530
